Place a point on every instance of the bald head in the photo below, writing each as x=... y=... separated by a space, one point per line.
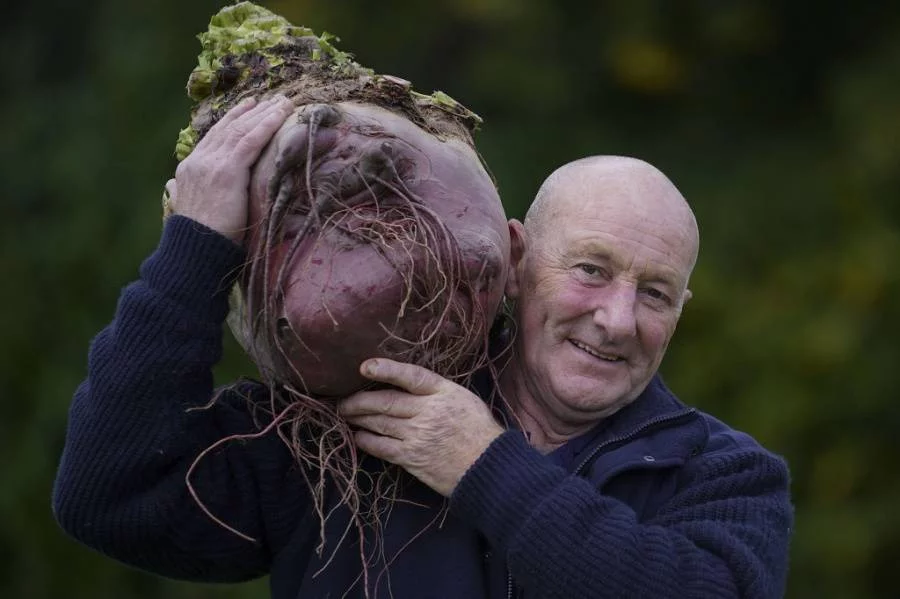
x=596 y=184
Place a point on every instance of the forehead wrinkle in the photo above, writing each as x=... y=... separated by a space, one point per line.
x=642 y=208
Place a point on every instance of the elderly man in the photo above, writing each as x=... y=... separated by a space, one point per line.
x=608 y=486
x=600 y=483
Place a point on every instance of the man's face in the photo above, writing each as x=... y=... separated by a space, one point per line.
x=598 y=292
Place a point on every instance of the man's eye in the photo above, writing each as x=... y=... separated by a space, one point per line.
x=590 y=269
x=656 y=294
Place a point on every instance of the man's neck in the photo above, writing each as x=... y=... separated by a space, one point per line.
x=545 y=432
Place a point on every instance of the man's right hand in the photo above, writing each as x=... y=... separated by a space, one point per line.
x=211 y=184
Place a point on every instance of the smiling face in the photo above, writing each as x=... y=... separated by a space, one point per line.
x=599 y=275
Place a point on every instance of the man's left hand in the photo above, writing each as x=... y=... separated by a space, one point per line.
x=431 y=427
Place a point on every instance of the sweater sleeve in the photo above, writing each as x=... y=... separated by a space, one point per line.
x=724 y=533
x=132 y=433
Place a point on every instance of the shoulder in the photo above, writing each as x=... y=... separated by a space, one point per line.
x=718 y=439
x=721 y=452
x=724 y=440
x=737 y=460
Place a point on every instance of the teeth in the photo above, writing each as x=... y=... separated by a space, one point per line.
x=590 y=350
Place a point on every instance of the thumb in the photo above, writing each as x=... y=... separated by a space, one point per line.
x=168 y=199
x=409 y=377
x=171 y=189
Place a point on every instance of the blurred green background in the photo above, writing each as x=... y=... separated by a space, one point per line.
x=780 y=122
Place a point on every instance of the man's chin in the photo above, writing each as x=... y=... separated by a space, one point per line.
x=598 y=400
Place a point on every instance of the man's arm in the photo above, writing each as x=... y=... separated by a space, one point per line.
x=135 y=428
x=724 y=533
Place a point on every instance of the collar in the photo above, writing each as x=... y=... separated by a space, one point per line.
x=655 y=404
x=656 y=430
x=654 y=409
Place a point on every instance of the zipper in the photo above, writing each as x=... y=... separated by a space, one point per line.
x=652 y=423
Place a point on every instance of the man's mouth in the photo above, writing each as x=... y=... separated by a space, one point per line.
x=597 y=354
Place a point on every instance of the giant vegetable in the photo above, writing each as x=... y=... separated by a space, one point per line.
x=375 y=230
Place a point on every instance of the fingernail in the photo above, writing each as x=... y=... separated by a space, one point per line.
x=369 y=367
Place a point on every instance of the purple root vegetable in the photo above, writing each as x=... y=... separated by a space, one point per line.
x=371 y=237
x=374 y=231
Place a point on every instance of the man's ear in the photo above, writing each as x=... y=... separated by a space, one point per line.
x=687 y=296
x=518 y=241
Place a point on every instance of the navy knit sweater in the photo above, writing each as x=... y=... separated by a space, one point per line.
x=660 y=501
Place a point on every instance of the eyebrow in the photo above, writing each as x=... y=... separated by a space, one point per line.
x=601 y=251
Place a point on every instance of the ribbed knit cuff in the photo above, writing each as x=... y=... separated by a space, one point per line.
x=504 y=486
x=194 y=266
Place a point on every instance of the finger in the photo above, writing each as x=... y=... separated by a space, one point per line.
x=386 y=426
x=388 y=402
x=171 y=189
x=227 y=130
x=246 y=123
x=409 y=377
x=240 y=108
x=250 y=146
x=386 y=448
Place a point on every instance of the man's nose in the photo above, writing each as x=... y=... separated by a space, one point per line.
x=615 y=313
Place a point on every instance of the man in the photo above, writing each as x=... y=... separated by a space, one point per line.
x=604 y=484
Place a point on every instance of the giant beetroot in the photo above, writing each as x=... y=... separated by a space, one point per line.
x=372 y=237
x=375 y=229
